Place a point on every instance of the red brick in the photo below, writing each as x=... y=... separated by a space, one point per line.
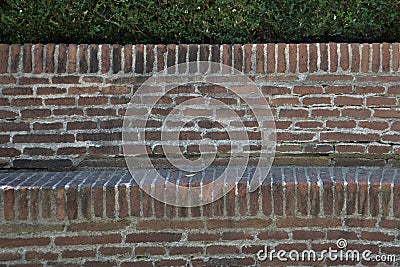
x=273 y=235
x=60 y=101
x=355 y=57
x=3 y=58
x=116 y=58
x=50 y=91
x=72 y=58
x=15 y=56
x=9 y=152
x=305 y=235
x=381 y=101
x=38 y=58
x=203 y=236
x=374 y=125
x=247 y=57
x=88 y=240
x=78 y=253
x=379 y=149
x=343 y=137
x=14 y=126
x=170 y=262
x=65 y=80
x=305 y=90
x=4 y=139
x=83 y=90
x=338 y=234
x=271 y=58
x=333 y=57
x=221 y=249
x=44 y=138
x=9 y=202
x=378 y=79
x=395 y=56
x=295 y=112
x=338 y=89
x=98 y=226
x=37 y=151
x=275 y=90
x=314 y=222
x=356 y=112
x=50 y=58
x=92 y=100
x=105 y=59
x=329 y=77
x=377 y=236
x=139 y=263
x=35 y=255
x=291 y=246
x=32 y=80
x=386 y=113
x=101 y=112
x=317 y=101
x=348 y=101
x=260 y=58
x=68 y=112
x=62 y=58
x=281 y=68
x=35 y=113
x=8 y=114
x=7 y=80
x=139 y=61
x=27 y=58
x=365 y=57
x=360 y=222
x=153 y=237
x=243 y=223
x=341 y=124
x=324 y=112
x=26 y=102
x=385 y=57
x=71 y=151
x=128 y=58
x=376 y=60
x=236 y=236
x=183 y=250
x=292 y=57
x=111 y=251
x=34 y=200
x=17 y=91
x=24 y=242
x=344 y=56
x=285 y=101
x=303 y=58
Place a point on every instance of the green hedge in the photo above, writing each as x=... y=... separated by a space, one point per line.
x=198 y=21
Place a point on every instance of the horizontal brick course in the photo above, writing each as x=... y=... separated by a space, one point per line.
x=337 y=86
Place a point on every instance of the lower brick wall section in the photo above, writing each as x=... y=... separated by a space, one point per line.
x=101 y=218
x=232 y=241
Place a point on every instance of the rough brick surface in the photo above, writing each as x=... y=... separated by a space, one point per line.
x=73 y=232
x=81 y=93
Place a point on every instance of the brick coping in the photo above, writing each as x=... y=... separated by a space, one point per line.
x=287 y=191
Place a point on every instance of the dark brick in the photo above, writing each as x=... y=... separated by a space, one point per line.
x=51 y=164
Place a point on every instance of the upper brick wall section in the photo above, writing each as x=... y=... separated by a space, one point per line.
x=248 y=58
x=333 y=104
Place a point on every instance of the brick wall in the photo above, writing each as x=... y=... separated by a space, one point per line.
x=334 y=104
x=100 y=218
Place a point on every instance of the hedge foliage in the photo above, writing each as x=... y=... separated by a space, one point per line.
x=198 y=21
